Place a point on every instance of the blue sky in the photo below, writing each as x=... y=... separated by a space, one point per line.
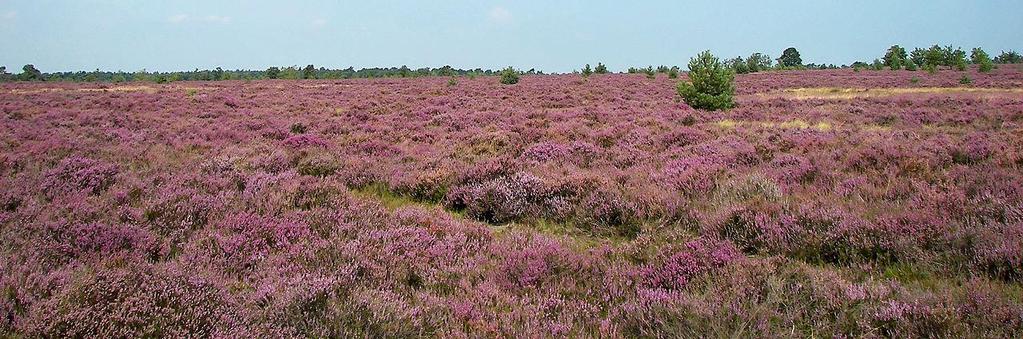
x=550 y=35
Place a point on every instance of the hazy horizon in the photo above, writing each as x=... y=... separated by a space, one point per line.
x=60 y=35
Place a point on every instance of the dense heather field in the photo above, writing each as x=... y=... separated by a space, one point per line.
x=558 y=206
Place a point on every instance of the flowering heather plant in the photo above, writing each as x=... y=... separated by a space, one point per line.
x=826 y=203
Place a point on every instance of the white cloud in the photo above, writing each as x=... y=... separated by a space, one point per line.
x=9 y=15
x=319 y=22
x=500 y=15
x=217 y=19
x=177 y=18
x=214 y=19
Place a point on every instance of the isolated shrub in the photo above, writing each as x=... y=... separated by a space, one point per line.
x=673 y=73
x=600 y=69
x=712 y=85
x=965 y=80
x=650 y=73
x=587 y=71
x=509 y=76
x=910 y=66
x=297 y=128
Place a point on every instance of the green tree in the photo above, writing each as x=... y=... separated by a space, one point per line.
x=309 y=72
x=4 y=76
x=30 y=73
x=877 y=65
x=954 y=57
x=711 y=86
x=934 y=57
x=895 y=58
x=982 y=59
x=738 y=65
x=587 y=71
x=600 y=69
x=758 y=62
x=790 y=58
x=978 y=55
x=273 y=73
x=1010 y=57
x=509 y=76
x=673 y=73
x=650 y=73
x=918 y=56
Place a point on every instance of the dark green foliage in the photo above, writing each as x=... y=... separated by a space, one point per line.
x=600 y=69
x=1010 y=57
x=910 y=66
x=649 y=71
x=965 y=80
x=918 y=56
x=309 y=72
x=4 y=76
x=877 y=65
x=758 y=62
x=673 y=73
x=712 y=84
x=738 y=65
x=934 y=57
x=790 y=58
x=30 y=73
x=895 y=58
x=509 y=76
x=954 y=57
x=978 y=55
x=297 y=128
x=982 y=59
x=587 y=71
x=273 y=73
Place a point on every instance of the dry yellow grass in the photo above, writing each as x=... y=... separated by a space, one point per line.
x=850 y=93
x=791 y=124
x=147 y=89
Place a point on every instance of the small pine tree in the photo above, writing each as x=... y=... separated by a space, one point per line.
x=986 y=66
x=965 y=80
x=910 y=65
x=587 y=71
x=650 y=73
x=673 y=73
x=712 y=84
x=509 y=76
x=600 y=69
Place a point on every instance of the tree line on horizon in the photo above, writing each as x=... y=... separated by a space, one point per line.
x=895 y=58
x=30 y=73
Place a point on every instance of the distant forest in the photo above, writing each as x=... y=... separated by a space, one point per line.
x=30 y=73
x=895 y=58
